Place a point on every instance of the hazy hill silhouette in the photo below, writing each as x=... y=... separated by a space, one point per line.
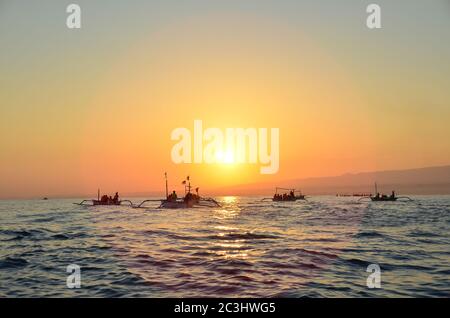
x=430 y=180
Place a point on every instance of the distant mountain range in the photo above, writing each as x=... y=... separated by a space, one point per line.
x=430 y=180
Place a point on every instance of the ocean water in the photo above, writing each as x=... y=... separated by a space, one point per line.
x=246 y=248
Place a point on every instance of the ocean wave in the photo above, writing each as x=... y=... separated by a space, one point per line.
x=14 y=235
x=369 y=234
x=13 y=263
x=319 y=248
x=422 y=233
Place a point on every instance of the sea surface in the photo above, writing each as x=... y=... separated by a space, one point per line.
x=246 y=248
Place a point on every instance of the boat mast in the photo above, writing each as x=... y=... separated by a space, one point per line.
x=376 y=188
x=189 y=184
x=98 y=194
x=167 y=187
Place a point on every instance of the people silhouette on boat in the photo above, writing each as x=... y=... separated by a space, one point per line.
x=116 y=198
x=196 y=196
x=385 y=197
x=104 y=199
x=172 y=197
x=188 y=197
x=107 y=200
x=285 y=196
x=191 y=197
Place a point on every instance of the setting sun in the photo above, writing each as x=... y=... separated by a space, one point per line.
x=226 y=157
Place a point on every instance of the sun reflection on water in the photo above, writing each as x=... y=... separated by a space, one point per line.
x=238 y=240
x=229 y=199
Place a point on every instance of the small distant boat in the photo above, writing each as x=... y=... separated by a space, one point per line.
x=45 y=198
x=99 y=202
x=105 y=201
x=290 y=195
x=385 y=198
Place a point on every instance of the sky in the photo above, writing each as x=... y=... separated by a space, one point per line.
x=95 y=107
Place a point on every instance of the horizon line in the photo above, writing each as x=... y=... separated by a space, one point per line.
x=225 y=189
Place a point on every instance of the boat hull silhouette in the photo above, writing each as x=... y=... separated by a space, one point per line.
x=98 y=202
x=179 y=204
x=375 y=199
x=289 y=199
x=104 y=203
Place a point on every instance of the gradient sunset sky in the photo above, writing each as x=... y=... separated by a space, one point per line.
x=95 y=107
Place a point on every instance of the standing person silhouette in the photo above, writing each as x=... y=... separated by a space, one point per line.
x=116 y=198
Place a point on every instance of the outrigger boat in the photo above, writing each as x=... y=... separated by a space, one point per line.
x=291 y=196
x=105 y=200
x=190 y=200
x=385 y=198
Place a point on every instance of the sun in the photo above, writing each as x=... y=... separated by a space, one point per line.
x=226 y=157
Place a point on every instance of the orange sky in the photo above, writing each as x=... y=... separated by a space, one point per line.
x=81 y=111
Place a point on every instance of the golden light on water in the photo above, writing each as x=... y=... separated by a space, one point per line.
x=231 y=251
x=229 y=199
